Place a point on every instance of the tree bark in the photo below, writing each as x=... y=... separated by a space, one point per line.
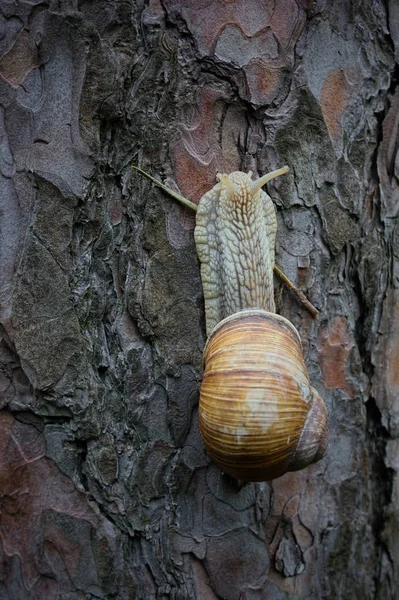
x=105 y=488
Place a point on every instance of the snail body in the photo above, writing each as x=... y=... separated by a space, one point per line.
x=235 y=238
x=259 y=416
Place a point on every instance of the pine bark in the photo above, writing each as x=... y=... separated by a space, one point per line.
x=105 y=488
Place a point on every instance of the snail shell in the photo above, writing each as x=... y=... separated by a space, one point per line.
x=259 y=416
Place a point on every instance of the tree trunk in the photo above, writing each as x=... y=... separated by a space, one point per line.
x=106 y=490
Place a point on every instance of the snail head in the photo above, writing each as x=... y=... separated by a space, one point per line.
x=238 y=185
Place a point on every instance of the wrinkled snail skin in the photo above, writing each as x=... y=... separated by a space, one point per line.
x=259 y=416
x=235 y=238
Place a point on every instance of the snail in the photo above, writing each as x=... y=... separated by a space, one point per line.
x=259 y=416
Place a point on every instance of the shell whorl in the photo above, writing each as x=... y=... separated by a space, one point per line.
x=313 y=442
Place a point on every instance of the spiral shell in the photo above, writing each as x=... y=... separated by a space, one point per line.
x=259 y=417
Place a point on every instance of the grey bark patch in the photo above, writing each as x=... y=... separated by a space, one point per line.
x=233 y=46
x=289 y=559
x=183 y=394
x=235 y=562
x=47 y=336
x=338 y=51
x=306 y=147
x=65 y=537
x=340 y=227
x=53 y=220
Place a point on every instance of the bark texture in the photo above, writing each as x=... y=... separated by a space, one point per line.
x=105 y=489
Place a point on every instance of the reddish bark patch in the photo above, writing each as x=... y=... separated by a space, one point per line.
x=206 y=19
x=19 y=60
x=155 y=8
x=197 y=156
x=335 y=97
x=256 y=36
x=31 y=485
x=194 y=178
x=287 y=22
x=334 y=344
x=235 y=561
x=263 y=83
